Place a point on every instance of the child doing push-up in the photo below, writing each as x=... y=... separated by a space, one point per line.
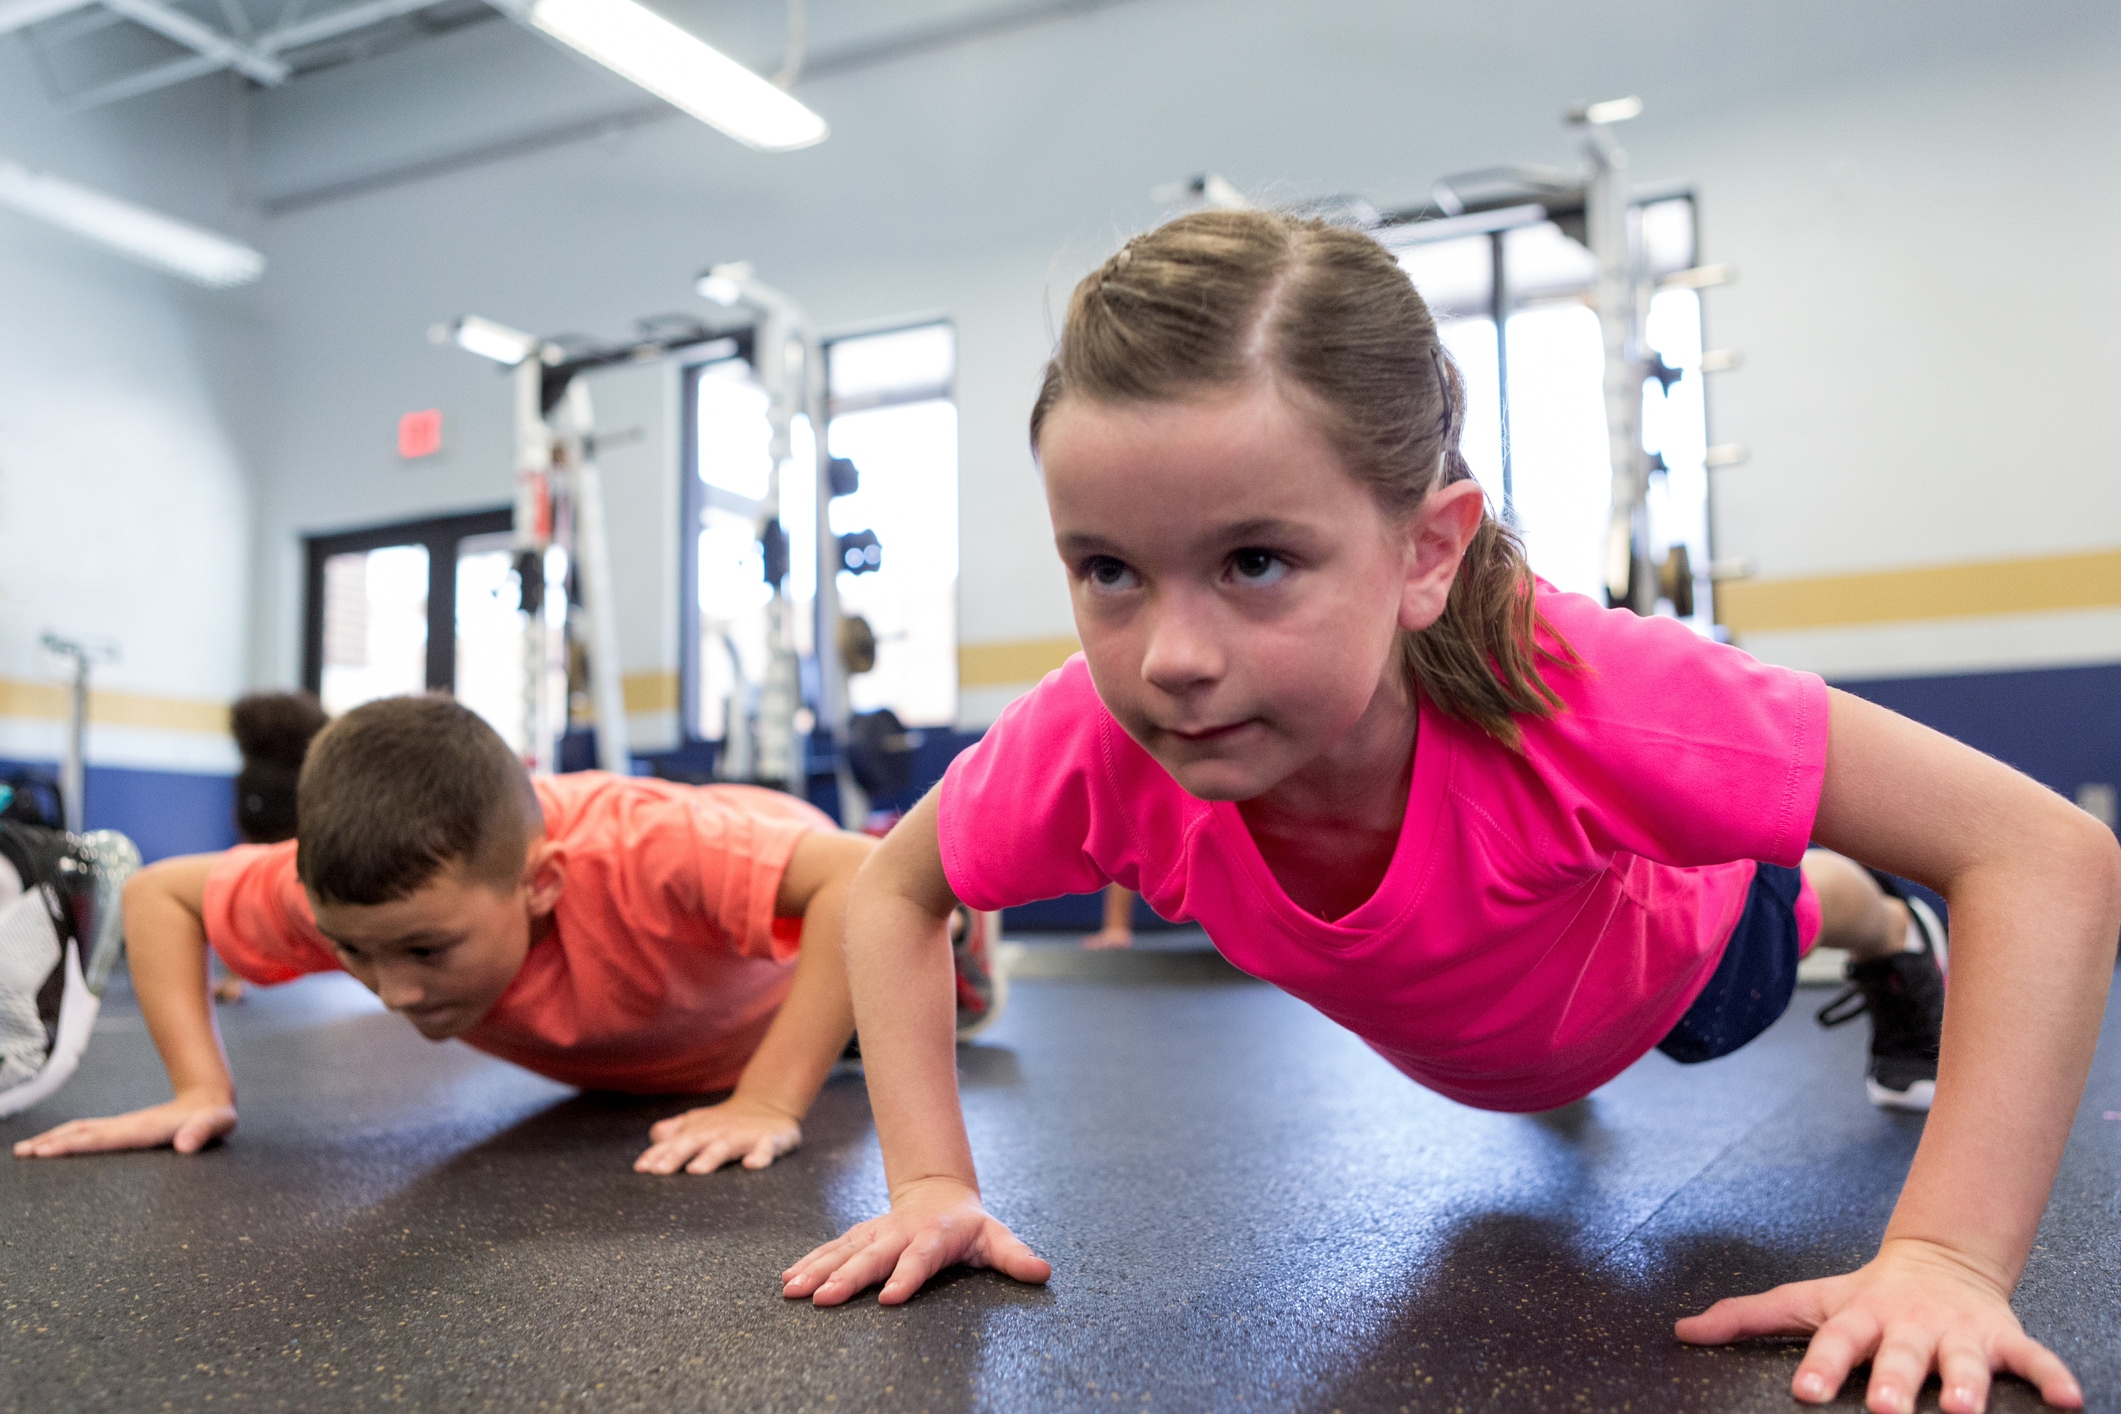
x=1510 y=838
x=604 y=931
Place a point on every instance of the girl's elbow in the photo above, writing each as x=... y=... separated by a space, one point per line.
x=2090 y=858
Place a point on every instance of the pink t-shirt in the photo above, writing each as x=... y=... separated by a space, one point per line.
x=1546 y=917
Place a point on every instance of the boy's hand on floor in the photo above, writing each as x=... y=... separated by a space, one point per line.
x=186 y=1125
x=702 y=1140
x=934 y=1224
x=1914 y=1308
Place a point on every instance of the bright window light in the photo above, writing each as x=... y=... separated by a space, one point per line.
x=147 y=236
x=674 y=65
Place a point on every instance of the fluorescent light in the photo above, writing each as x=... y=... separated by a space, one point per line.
x=196 y=254
x=724 y=284
x=486 y=339
x=1613 y=110
x=674 y=65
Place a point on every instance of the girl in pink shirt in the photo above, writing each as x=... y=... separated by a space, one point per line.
x=1511 y=839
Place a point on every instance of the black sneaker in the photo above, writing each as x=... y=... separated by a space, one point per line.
x=1904 y=996
x=61 y=932
x=982 y=988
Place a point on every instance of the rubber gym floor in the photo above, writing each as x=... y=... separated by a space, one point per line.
x=1244 y=1209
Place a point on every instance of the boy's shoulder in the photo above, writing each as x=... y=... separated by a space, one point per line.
x=597 y=811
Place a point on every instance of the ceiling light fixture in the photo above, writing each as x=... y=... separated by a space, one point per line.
x=486 y=339
x=181 y=249
x=679 y=67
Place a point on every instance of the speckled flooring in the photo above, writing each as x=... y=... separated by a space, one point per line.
x=1244 y=1209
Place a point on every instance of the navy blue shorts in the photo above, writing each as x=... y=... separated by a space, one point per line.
x=1753 y=983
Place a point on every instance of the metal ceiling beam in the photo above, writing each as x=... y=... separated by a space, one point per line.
x=273 y=43
x=204 y=39
x=14 y=14
x=146 y=81
x=338 y=22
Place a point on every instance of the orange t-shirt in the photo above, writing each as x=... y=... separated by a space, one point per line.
x=664 y=964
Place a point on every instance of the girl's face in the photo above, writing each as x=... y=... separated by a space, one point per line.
x=1238 y=594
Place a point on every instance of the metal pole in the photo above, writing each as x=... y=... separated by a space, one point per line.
x=533 y=536
x=833 y=706
x=1631 y=580
x=73 y=788
x=1499 y=307
x=780 y=758
x=593 y=555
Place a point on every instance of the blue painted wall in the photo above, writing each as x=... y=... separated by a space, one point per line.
x=2061 y=726
x=164 y=812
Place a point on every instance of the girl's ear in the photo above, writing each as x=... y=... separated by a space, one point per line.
x=544 y=875
x=1437 y=537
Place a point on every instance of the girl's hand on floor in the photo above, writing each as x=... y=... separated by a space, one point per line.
x=934 y=1224
x=184 y=1124
x=1914 y=1308
x=702 y=1140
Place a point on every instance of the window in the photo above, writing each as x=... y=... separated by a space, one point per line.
x=890 y=413
x=1543 y=381
x=421 y=606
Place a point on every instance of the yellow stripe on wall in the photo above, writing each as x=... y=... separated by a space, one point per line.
x=1003 y=664
x=650 y=692
x=51 y=702
x=2040 y=584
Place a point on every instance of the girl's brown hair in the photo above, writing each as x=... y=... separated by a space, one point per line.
x=1218 y=299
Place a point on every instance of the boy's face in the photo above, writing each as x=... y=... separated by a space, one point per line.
x=442 y=955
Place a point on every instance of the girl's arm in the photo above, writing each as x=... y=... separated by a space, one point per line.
x=898 y=961
x=2034 y=886
x=763 y=1119
x=165 y=951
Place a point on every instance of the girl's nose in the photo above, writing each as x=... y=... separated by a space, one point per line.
x=1183 y=649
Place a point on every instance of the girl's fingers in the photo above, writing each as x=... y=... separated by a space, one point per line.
x=920 y=1261
x=858 y=1273
x=1835 y=1350
x=810 y=1273
x=200 y=1130
x=1898 y=1371
x=1963 y=1370
x=1787 y=1310
x=2036 y=1364
x=1009 y=1255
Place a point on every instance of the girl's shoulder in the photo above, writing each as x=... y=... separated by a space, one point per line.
x=1607 y=661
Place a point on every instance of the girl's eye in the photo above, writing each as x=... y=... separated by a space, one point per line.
x=1109 y=575
x=1257 y=567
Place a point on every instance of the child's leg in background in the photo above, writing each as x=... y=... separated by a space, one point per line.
x=1118 y=931
x=1855 y=915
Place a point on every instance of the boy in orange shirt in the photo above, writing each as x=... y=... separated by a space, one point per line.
x=607 y=932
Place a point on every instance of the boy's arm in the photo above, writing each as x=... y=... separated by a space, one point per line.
x=2034 y=887
x=898 y=957
x=165 y=951
x=763 y=1119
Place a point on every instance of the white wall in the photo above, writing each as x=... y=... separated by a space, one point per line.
x=1918 y=196
x=124 y=498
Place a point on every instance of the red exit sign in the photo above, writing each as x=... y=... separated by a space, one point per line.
x=420 y=433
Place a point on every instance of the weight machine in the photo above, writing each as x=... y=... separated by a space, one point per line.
x=1594 y=207
x=560 y=530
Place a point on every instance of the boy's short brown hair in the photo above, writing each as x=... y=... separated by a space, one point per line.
x=399 y=789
